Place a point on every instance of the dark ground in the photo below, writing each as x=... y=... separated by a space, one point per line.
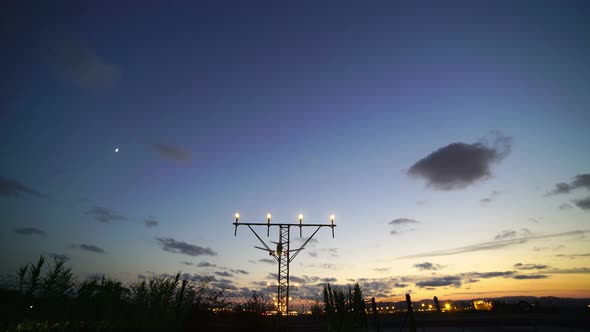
x=432 y=321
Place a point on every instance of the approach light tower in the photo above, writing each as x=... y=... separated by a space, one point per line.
x=283 y=254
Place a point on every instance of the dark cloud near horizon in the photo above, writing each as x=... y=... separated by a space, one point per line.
x=530 y=276
x=104 y=215
x=205 y=264
x=492 y=245
x=187 y=263
x=150 y=223
x=572 y=256
x=61 y=257
x=223 y=274
x=493 y=274
x=522 y=266
x=171 y=152
x=29 y=231
x=239 y=271
x=579 y=181
x=14 y=188
x=172 y=245
x=459 y=165
x=566 y=206
x=440 y=281
x=89 y=247
x=400 y=285
x=575 y=270
x=427 y=266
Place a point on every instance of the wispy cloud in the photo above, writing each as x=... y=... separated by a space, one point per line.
x=401 y=225
x=150 y=222
x=223 y=274
x=583 y=203
x=493 y=245
x=61 y=257
x=205 y=264
x=104 y=215
x=381 y=269
x=566 y=206
x=487 y=275
x=331 y=251
x=440 y=281
x=238 y=271
x=572 y=256
x=14 y=188
x=510 y=234
x=187 y=263
x=29 y=231
x=459 y=165
x=530 y=276
x=225 y=284
x=579 y=181
x=267 y=261
x=427 y=266
x=89 y=247
x=171 y=152
x=487 y=200
x=521 y=266
x=172 y=245
x=575 y=270
x=78 y=63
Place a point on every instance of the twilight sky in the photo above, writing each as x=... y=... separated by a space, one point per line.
x=451 y=142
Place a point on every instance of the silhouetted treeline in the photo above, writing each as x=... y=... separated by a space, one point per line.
x=344 y=311
x=48 y=297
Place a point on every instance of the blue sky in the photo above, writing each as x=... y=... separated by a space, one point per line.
x=315 y=109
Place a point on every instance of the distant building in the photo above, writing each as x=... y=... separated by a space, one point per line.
x=482 y=305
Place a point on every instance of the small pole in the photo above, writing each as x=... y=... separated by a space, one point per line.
x=411 y=313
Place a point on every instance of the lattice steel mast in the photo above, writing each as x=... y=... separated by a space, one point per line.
x=283 y=255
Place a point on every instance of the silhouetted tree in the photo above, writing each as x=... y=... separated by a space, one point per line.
x=436 y=304
x=359 y=315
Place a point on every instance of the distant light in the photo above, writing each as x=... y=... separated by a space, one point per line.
x=31 y=307
x=116 y=149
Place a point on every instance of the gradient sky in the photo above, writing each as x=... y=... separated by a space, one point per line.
x=451 y=142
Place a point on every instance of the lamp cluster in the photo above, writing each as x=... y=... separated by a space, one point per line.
x=269 y=217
